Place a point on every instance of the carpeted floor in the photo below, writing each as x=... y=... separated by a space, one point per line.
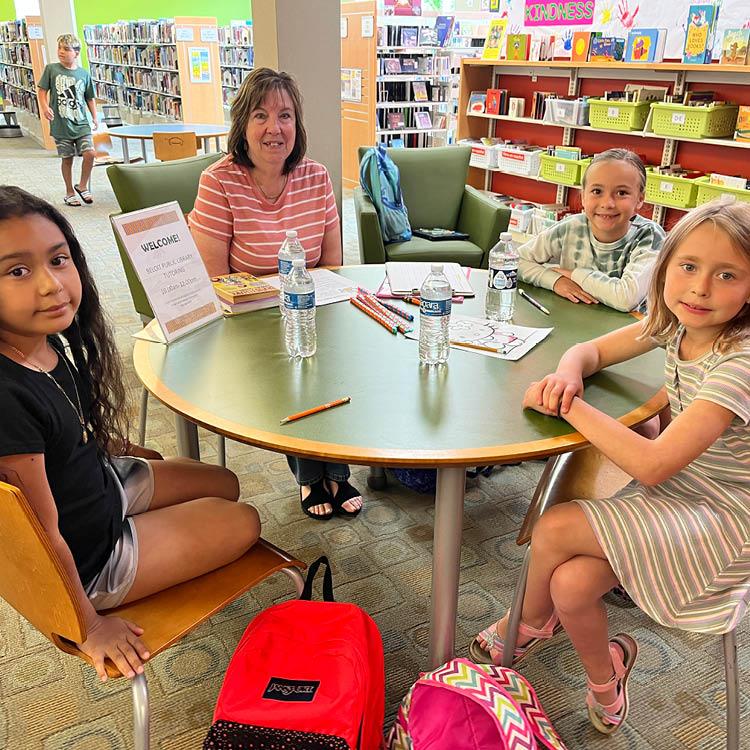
x=49 y=701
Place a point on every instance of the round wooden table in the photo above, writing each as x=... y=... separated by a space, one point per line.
x=234 y=378
x=145 y=133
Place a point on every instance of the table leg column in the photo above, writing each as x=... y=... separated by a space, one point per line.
x=143 y=150
x=125 y=151
x=446 y=561
x=187 y=438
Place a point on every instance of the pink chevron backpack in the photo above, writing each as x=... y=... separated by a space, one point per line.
x=467 y=706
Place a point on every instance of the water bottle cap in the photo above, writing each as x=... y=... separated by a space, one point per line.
x=436 y=268
x=298 y=263
x=507 y=236
x=291 y=234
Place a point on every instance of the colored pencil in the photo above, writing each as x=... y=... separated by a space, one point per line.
x=378 y=306
x=398 y=311
x=412 y=300
x=316 y=409
x=479 y=347
x=374 y=315
x=532 y=301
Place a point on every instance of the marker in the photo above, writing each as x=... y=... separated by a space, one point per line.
x=316 y=409
x=532 y=301
x=479 y=347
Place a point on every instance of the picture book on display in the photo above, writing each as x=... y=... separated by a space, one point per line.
x=241 y=287
x=423 y=120
x=402 y=7
x=645 y=45
x=517 y=46
x=477 y=102
x=409 y=36
x=409 y=65
x=734 y=47
x=493 y=44
x=420 y=91
x=392 y=65
x=700 y=25
x=580 y=46
x=427 y=37
x=444 y=30
x=395 y=120
x=606 y=49
x=743 y=124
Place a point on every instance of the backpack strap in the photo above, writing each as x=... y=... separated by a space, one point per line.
x=524 y=695
x=466 y=678
x=327 y=580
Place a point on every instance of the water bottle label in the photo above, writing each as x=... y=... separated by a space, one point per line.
x=285 y=267
x=502 y=278
x=299 y=301
x=435 y=308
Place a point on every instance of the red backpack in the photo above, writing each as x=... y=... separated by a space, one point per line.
x=305 y=675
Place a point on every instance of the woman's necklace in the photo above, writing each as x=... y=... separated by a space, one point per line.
x=78 y=410
x=271 y=198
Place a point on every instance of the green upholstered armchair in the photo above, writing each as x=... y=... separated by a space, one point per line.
x=433 y=183
x=145 y=185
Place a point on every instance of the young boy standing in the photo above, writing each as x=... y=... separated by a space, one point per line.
x=65 y=92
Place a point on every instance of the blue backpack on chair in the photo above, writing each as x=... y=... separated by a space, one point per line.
x=378 y=176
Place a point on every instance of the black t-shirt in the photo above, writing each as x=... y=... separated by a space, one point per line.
x=37 y=418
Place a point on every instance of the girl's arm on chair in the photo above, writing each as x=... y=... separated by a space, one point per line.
x=107 y=637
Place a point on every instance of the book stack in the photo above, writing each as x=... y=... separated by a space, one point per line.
x=539 y=103
x=243 y=292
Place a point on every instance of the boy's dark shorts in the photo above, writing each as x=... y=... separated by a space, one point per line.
x=68 y=147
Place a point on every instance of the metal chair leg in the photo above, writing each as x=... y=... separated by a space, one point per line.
x=514 y=614
x=222 y=451
x=141 y=713
x=733 y=690
x=142 y=418
x=297 y=579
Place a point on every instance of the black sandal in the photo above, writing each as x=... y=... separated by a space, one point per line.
x=319 y=495
x=344 y=493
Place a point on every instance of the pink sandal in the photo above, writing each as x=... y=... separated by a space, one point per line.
x=607 y=719
x=494 y=653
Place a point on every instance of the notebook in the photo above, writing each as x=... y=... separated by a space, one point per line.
x=407 y=278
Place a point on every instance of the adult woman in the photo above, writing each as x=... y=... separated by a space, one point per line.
x=246 y=202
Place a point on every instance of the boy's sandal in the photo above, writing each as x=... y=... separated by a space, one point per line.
x=71 y=200
x=318 y=496
x=86 y=196
x=607 y=719
x=494 y=653
x=344 y=493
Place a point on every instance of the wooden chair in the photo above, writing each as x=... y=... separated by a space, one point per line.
x=170 y=146
x=45 y=597
x=589 y=474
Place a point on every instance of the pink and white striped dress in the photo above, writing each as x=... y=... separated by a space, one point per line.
x=681 y=549
x=230 y=207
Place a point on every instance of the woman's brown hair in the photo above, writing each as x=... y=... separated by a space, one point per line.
x=731 y=217
x=253 y=91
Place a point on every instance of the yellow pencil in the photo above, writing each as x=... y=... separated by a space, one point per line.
x=478 y=347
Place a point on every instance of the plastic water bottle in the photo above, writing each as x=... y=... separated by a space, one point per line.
x=434 y=317
x=299 y=302
x=502 y=280
x=290 y=249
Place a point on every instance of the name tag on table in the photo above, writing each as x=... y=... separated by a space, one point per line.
x=169 y=266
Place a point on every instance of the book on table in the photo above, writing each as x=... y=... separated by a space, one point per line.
x=407 y=278
x=234 y=288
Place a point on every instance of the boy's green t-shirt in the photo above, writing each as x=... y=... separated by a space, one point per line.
x=69 y=90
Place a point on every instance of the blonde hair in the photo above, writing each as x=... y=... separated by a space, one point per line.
x=733 y=218
x=619 y=154
x=69 y=40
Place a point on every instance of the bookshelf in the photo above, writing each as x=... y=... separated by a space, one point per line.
x=22 y=61
x=523 y=78
x=235 y=58
x=158 y=70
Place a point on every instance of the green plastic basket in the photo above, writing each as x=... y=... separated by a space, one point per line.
x=609 y=115
x=665 y=190
x=708 y=192
x=694 y=122
x=562 y=171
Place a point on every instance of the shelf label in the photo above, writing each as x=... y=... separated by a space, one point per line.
x=368 y=26
x=613 y=112
x=344 y=27
x=34 y=31
x=678 y=118
x=560 y=167
x=209 y=34
x=184 y=34
x=666 y=187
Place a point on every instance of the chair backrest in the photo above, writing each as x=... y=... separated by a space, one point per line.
x=171 y=146
x=145 y=185
x=432 y=183
x=32 y=578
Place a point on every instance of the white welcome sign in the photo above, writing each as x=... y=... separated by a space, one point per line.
x=169 y=266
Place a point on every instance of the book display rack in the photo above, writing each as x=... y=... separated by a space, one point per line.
x=21 y=66
x=158 y=70
x=236 y=58
x=663 y=148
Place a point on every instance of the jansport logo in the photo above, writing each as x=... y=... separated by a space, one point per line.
x=295 y=691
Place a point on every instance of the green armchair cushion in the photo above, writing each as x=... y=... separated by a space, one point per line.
x=419 y=249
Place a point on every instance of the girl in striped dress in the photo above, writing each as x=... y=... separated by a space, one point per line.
x=678 y=536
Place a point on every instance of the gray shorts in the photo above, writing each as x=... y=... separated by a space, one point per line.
x=69 y=147
x=135 y=478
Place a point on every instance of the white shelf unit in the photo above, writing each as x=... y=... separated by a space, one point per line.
x=235 y=58
x=17 y=84
x=134 y=65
